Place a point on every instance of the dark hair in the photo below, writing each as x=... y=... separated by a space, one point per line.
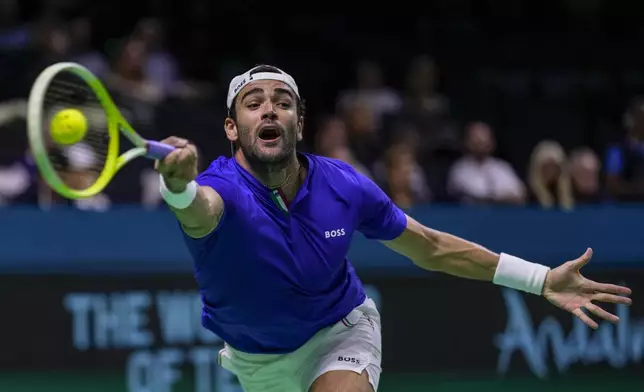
x=301 y=108
x=394 y=152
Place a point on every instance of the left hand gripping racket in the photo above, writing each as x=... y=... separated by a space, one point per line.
x=82 y=169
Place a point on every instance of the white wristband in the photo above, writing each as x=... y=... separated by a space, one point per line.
x=520 y=274
x=179 y=200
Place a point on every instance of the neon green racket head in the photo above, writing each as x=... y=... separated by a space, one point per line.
x=73 y=131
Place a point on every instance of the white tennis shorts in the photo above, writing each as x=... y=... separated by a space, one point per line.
x=354 y=343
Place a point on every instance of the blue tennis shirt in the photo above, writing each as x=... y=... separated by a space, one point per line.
x=270 y=279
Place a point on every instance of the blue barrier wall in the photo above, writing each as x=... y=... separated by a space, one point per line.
x=130 y=240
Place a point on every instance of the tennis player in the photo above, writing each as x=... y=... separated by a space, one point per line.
x=269 y=230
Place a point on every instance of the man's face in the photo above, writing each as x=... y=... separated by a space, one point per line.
x=480 y=142
x=267 y=127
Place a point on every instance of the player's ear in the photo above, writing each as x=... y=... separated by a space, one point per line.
x=300 y=127
x=231 y=129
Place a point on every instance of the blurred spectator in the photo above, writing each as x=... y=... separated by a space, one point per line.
x=54 y=45
x=150 y=195
x=81 y=50
x=14 y=181
x=426 y=110
x=344 y=154
x=362 y=133
x=13 y=34
x=134 y=91
x=84 y=167
x=159 y=67
x=14 y=176
x=549 y=176
x=371 y=92
x=624 y=164
x=331 y=141
x=128 y=75
x=332 y=133
x=584 y=172
x=405 y=180
x=479 y=177
x=146 y=81
x=78 y=166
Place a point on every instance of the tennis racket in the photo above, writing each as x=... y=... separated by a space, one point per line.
x=85 y=168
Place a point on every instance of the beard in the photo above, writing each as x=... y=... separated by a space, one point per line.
x=267 y=156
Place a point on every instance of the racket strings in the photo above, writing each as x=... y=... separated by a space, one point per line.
x=78 y=165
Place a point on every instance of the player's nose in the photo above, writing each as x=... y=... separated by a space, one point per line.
x=269 y=113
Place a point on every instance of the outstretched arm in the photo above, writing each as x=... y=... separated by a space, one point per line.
x=564 y=286
x=202 y=216
x=434 y=250
x=197 y=208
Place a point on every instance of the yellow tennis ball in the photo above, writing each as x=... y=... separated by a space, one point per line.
x=68 y=126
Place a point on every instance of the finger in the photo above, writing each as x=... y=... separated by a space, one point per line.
x=601 y=313
x=172 y=159
x=583 y=259
x=167 y=164
x=161 y=164
x=170 y=140
x=610 y=288
x=175 y=141
x=185 y=162
x=178 y=164
x=584 y=317
x=193 y=149
x=611 y=298
x=187 y=156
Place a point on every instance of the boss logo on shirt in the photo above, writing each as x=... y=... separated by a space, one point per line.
x=334 y=233
x=349 y=359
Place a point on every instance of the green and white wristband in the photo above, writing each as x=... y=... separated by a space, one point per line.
x=179 y=200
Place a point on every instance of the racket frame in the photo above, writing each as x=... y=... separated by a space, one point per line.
x=116 y=125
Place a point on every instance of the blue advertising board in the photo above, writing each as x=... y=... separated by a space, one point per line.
x=132 y=240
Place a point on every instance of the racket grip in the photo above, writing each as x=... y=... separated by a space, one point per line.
x=157 y=150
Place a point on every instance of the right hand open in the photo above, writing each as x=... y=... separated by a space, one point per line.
x=180 y=166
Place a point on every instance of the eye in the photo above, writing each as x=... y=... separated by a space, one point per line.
x=252 y=105
x=284 y=105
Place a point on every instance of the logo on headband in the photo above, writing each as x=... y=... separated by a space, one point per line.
x=240 y=85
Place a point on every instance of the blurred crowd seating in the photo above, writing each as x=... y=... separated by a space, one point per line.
x=476 y=102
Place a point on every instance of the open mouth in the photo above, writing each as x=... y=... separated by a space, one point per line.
x=269 y=133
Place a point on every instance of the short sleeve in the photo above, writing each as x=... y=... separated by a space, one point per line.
x=215 y=176
x=218 y=177
x=379 y=217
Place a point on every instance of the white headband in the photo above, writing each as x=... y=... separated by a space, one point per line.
x=239 y=81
